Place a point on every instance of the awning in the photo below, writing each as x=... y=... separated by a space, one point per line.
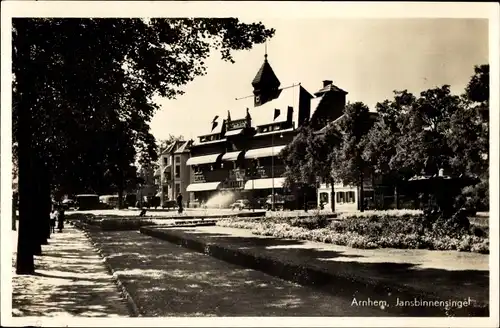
x=203 y=186
x=264 y=152
x=206 y=159
x=264 y=183
x=233 y=132
x=167 y=168
x=231 y=156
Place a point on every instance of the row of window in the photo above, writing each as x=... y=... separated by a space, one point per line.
x=166 y=160
x=341 y=197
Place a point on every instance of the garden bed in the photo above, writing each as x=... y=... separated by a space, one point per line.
x=387 y=229
x=93 y=222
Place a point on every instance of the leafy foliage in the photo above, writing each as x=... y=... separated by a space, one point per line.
x=83 y=91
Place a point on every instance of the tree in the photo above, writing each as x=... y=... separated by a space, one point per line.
x=349 y=164
x=468 y=138
x=381 y=149
x=90 y=75
x=299 y=164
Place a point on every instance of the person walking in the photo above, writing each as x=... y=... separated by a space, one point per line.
x=179 y=203
x=60 y=218
x=53 y=219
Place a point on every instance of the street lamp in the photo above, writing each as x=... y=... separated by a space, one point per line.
x=272 y=170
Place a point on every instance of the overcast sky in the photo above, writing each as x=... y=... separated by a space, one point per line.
x=366 y=57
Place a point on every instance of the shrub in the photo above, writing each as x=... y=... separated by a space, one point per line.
x=481 y=247
x=406 y=231
x=311 y=223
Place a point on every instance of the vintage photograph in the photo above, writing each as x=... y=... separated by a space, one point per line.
x=235 y=167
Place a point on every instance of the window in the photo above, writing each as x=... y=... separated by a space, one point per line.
x=177 y=188
x=351 y=197
x=340 y=197
x=177 y=171
x=177 y=159
x=323 y=197
x=165 y=160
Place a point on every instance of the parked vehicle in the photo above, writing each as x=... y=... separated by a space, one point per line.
x=88 y=202
x=68 y=204
x=151 y=201
x=109 y=201
x=168 y=204
x=240 y=204
x=130 y=200
x=281 y=202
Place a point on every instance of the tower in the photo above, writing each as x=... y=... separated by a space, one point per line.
x=265 y=84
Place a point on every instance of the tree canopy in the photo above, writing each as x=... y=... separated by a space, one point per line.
x=83 y=91
x=411 y=135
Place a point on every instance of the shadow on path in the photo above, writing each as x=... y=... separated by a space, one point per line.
x=70 y=280
x=168 y=280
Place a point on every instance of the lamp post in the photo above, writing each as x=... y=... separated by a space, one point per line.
x=272 y=170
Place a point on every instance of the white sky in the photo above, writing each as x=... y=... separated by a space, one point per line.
x=368 y=58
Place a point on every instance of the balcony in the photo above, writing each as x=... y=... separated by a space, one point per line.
x=237 y=175
x=264 y=172
x=199 y=177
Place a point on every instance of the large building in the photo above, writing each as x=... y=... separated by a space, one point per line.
x=238 y=157
x=173 y=176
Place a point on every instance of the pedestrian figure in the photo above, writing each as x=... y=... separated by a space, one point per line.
x=60 y=219
x=53 y=219
x=143 y=212
x=179 y=203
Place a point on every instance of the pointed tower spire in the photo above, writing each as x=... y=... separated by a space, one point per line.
x=265 y=54
x=266 y=83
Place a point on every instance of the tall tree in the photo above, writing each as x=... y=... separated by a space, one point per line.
x=91 y=73
x=350 y=166
x=468 y=138
x=299 y=164
x=381 y=150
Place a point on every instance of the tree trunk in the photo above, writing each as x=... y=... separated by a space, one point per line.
x=26 y=238
x=25 y=242
x=120 y=189
x=44 y=216
x=361 y=195
x=332 y=196
x=46 y=202
x=14 y=215
x=396 y=196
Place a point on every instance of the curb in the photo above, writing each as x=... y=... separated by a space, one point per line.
x=132 y=307
x=309 y=275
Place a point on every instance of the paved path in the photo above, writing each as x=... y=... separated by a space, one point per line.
x=168 y=280
x=70 y=281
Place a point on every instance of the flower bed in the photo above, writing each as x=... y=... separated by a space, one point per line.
x=111 y=224
x=375 y=230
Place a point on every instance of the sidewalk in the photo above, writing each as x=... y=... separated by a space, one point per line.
x=70 y=281
x=394 y=273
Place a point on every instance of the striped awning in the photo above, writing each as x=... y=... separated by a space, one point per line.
x=206 y=186
x=206 y=159
x=231 y=156
x=264 y=183
x=264 y=152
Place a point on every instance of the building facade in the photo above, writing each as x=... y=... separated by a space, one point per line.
x=173 y=175
x=239 y=156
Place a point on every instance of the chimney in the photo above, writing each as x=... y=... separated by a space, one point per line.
x=327 y=83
